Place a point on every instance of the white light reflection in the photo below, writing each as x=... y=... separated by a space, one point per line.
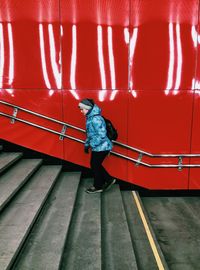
x=134 y=93
x=126 y=35
x=171 y=61
x=132 y=52
x=113 y=94
x=111 y=58
x=194 y=36
x=180 y=59
x=102 y=94
x=11 y=52
x=73 y=58
x=55 y=67
x=73 y=62
x=1 y=55
x=73 y=92
x=61 y=31
x=197 y=85
x=60 y=61
x=10 y=91
x=51 y=92
x=193 y=83
x=100 y=57
x=44 y=67
x=133 y=44
x=197 y=91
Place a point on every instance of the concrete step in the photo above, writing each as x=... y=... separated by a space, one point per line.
x=15 y=178
x=8 y=159
x=117 y=249
x=45 y=245
x=83 y=245
x=139 y=237
x=17 y=219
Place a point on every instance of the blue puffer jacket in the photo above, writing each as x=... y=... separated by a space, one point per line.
x=96 y=131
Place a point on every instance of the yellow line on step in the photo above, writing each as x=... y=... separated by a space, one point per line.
x=148 y=232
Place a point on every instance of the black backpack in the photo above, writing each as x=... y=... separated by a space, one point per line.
x=111 y=130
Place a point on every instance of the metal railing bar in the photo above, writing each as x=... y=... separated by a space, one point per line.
x=42 y=116
x=115 y=142
x=41 y=127
x=130 y=159
x=112 y=152
x=155 y=155
x=157 y=165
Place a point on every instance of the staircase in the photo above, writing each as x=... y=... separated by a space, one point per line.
x=48 y=221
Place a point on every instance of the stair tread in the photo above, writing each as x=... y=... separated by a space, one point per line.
x=138 y=234
x=83 y=247
x=13 y=179
x=16 y=220
x=7 y=159
x=45 y=245
x=116 y=238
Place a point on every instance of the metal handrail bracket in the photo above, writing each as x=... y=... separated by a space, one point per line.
x=15 y=111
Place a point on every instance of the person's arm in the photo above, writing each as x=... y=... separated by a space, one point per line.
x=87 y=142
x=100 y=131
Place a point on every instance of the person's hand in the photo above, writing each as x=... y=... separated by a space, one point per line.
x=86 y=149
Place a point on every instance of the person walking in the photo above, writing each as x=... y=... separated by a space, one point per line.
x=99 y=144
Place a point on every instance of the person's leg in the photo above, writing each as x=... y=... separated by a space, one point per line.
x=106 y=176
x=108 y=179
x=98 y=170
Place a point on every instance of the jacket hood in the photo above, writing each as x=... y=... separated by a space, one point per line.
x=95 y=111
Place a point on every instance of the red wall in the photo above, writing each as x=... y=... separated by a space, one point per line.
x=138 y=59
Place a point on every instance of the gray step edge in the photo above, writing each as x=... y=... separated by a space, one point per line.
x=16 y=157
x=118 y=249
x=22 y=183
x=10 y=263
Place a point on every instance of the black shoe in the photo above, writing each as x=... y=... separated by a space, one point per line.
x=92 y=190
x=108 y=185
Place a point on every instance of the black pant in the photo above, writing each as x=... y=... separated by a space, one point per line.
x=100 y=174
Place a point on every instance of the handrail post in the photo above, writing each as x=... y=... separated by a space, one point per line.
x=64 y=128
x=139 y=159
x=13 y=119
x=180 y=163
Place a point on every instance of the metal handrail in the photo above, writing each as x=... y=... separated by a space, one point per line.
x=42 y=116
x=155 y=155
x=41 y=127
x=141 y=152
x=112 y=152
x=115 y=142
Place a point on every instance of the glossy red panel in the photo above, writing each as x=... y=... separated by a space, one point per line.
x=95 y=44
x=160 y=123
x=113 y=105
x=196 y=37
x=44 y=102
x=195 y=143
x=163 y=44
x=112 y=12
x=118 y=45
x=29 y=44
